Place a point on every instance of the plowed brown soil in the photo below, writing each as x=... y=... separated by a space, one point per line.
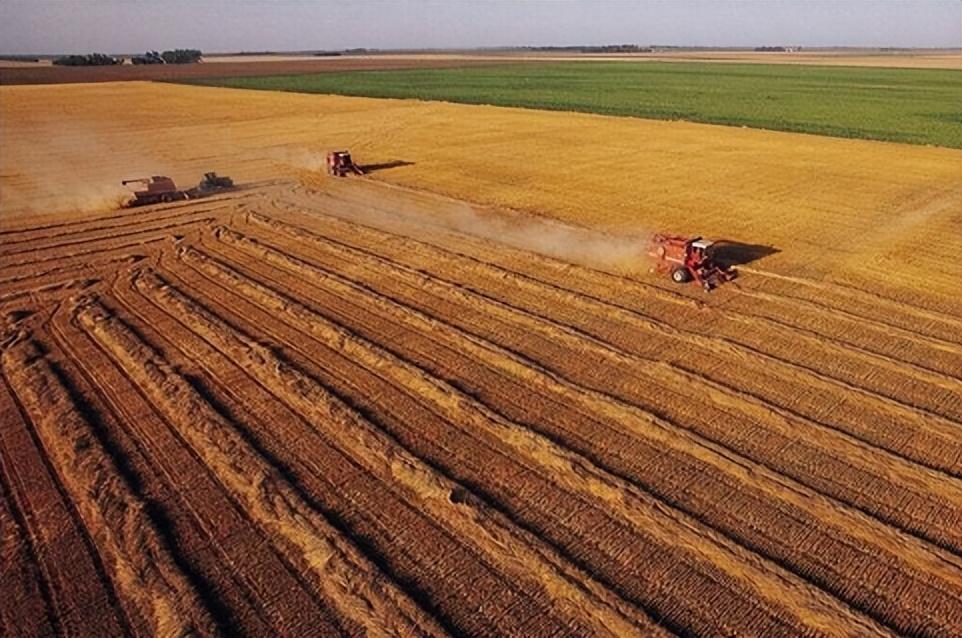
x=351 y=407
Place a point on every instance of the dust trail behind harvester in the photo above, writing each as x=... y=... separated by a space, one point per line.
x=622 y=253
x=586 y=246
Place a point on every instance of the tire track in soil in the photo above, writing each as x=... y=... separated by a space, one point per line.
x=27 y=606
x=118 y=240
x=612 y=491
x=858 y=590
x=943 y=325
x=786 y=450
x=73 y=579
x=592 y=313
x=225 y=547
x=16 y=257
x=22 y=272
x=360 y=594
x=349 y=206
x=347 y=237
x=122 y=215
x=509 y=623
x=101 y=230
x=524 y=557
x=157 y=596
x=110 y=263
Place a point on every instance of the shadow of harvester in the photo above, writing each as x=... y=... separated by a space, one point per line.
x=383 y=166
x=729 y=253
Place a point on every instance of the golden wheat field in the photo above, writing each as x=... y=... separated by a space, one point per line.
x=448 y=398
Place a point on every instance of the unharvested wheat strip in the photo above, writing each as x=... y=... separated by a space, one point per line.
x=142 y=566
x=925 y=482
x=354 y=585
x=943 y=437
x=586 y=479
x=866 y=537
x=573 y=592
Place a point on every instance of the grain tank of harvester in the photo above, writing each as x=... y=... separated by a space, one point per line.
x=339 y=164
x=688 y=259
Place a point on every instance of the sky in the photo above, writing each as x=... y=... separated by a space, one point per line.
x=130 y=26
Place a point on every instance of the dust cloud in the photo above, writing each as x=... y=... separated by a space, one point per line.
x=586 y=246
x=302 y=158
x=596 y=248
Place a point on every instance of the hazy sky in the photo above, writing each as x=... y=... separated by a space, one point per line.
x=127 y=26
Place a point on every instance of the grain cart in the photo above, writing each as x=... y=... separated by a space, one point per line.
x=688 y=259
x=339 y=164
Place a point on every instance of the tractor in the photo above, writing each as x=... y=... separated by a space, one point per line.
x=688 y=260
x=339 y=164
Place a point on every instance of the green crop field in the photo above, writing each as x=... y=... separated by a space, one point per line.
x=919 y=106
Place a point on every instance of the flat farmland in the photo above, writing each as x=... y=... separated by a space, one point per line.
x=919 y=106
x=448 y=398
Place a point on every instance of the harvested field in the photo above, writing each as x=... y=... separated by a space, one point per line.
x=340 y=407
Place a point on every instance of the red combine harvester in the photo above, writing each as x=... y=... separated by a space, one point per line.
x=339 y=164
x=157 y=189
x=688 y=259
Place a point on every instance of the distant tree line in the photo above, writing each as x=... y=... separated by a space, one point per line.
x=93 y=59
x=608 y=48
x=777 y=49
x=175 y=56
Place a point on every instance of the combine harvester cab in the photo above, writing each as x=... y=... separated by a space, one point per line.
x=688 y=259
x=340 y=164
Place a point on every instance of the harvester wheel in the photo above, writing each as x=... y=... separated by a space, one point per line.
x=680 y=275
x=166 y=198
